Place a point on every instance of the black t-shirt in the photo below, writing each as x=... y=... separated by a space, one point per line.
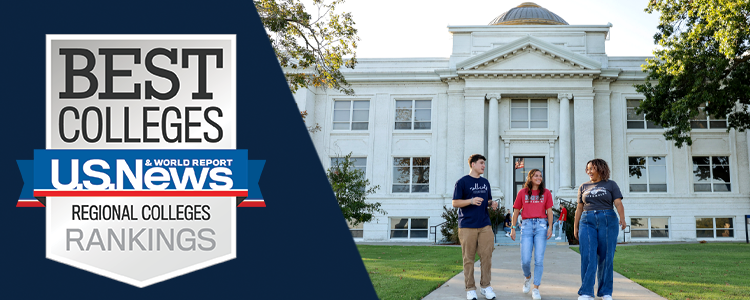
x=599 y=195
x=473 y=216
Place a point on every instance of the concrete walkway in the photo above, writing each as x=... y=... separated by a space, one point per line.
x=561 y=279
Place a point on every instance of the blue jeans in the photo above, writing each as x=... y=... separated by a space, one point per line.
x=559 y=226
x=507 y=229
x=597 y=233
x=533 y=237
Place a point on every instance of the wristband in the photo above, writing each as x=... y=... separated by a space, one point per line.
x=513 y=227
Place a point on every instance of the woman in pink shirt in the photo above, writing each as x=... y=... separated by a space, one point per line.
x=535 y=204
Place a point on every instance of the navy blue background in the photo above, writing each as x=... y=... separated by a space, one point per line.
x=297 y=247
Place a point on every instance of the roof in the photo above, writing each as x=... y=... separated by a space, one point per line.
x=528 y=13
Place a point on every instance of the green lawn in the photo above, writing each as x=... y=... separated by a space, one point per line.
x=409 y=272
x=688 y=271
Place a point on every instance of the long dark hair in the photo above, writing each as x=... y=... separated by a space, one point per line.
x=528 y=184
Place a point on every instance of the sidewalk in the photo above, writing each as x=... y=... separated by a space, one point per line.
x=561 y=279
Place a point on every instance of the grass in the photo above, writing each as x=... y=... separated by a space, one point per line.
x=688 y=271
x=409 y=272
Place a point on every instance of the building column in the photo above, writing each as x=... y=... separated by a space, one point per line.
x=493 y=142
x=565 y=146
x=583 y=109
x=473 y=126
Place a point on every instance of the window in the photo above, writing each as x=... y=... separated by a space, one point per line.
x=714 y=227
x=528 y=113
x=356 y=231
x=711 y=174
x=649 y=228
x=704 y=121
x=411 y=175
x=638 y=121
x=648 y=174
x=413 y=114
x=408 y=228
x=359 y=163
x=351 y=115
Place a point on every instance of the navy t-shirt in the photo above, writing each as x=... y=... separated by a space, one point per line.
x=473 y=216
x=599 y=195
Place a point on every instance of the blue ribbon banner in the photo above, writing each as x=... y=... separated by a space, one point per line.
x=141 y=173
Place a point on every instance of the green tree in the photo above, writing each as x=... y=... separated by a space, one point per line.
x=703 y=60
x=351 y=189
x=313 y=46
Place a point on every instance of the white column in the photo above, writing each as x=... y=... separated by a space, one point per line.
x=473 y=126
x=583 y=110
x=493 y=142
x=566 y=156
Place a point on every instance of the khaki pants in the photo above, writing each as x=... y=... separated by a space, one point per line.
x=473 y=241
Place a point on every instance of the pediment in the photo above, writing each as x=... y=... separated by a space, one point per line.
x=529 y=53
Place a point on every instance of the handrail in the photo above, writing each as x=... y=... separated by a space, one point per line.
x=433 y=230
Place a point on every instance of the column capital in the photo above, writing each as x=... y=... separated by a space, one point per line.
x=491 y=96
x=564 y=95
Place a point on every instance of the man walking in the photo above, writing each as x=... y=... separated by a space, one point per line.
x=560 y=221
x=472 y=196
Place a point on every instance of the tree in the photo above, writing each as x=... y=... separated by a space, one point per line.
x=314 y=47
x=703 y=62
x=351 y=189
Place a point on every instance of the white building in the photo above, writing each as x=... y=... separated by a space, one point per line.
x=528 y=86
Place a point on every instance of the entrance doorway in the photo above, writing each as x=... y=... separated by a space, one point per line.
x=521 y=167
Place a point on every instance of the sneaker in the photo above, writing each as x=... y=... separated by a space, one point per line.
x=488 y=293
x=606 y=297
x=558 y=238
x=471 y=295
x=527 y=285
x=535 y=294
x=585 y=297
x=507 y=234
x=553 y=234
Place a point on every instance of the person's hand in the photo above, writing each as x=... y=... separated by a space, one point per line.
x=513 y=234
x=549 y=232
x=575 y=232
x=477 y=201
x=622 y=224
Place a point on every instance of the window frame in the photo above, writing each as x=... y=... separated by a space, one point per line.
x=408 y=229
x=411 y=174
x=711 y=174
x=648 y=175
x=355 y=158
x=708 y=120
x=649 y=229
x=359 y=228
x=413 y=117
x=528 y=119
x=715 y=229
x=351 y=115
x=645 y=122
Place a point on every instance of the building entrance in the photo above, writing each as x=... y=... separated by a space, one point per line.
x=521 y=167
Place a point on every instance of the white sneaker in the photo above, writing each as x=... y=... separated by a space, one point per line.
x=558 y=238
x=488 y=293
x=606 y=297
x=471 y=295
x=553 y=234
x=527 y=285
x=585 y=297
x=507 y=234
x=535 y=294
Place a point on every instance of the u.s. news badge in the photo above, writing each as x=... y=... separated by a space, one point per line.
x=141 y=178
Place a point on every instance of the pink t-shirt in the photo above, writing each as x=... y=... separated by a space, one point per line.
x=534 y=206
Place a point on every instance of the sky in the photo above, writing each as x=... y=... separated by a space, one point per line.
x=418 y=28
